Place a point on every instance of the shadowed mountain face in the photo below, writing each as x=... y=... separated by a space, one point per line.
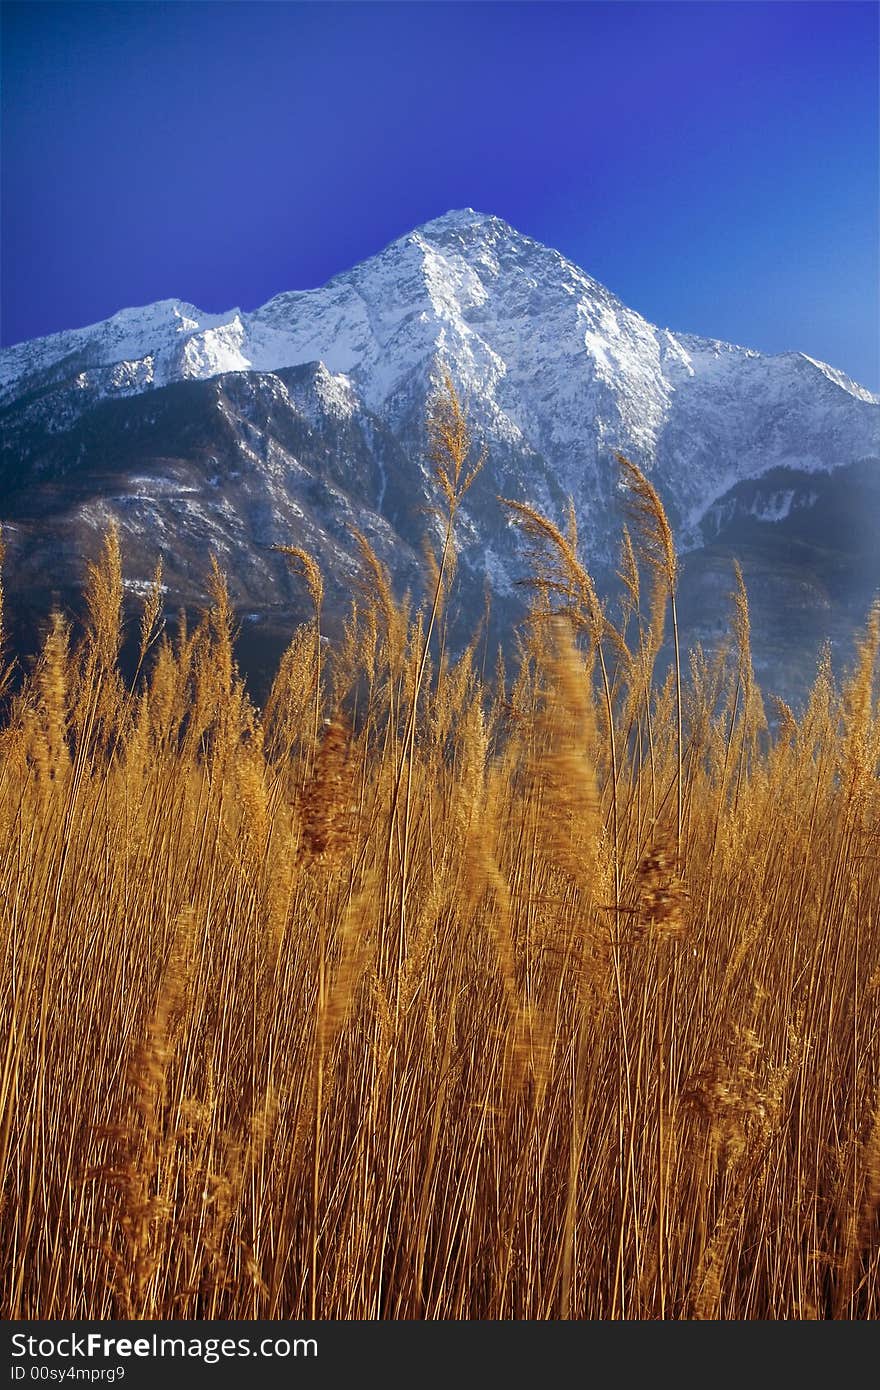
x=232 y=433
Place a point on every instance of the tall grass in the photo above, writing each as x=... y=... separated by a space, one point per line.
x=417 y=994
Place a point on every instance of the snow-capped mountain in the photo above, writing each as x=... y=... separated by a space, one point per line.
x=237 y=430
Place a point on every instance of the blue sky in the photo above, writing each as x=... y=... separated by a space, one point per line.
x=716 y=165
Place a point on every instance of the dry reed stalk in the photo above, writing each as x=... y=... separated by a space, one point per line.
x=657 y=548
x=305 y=565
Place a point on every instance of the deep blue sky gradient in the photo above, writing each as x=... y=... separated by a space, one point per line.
x=716 y=165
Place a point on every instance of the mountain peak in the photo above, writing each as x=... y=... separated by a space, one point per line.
x=462 y=221
x=558 y=375
x=544 y=353
x=456 y=217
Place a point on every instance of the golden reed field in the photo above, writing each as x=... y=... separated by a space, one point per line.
x=435 y=990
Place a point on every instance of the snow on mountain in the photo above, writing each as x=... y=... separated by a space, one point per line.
x=549 y=361
x=232 y=432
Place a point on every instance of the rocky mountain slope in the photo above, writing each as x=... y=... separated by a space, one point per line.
x=233 y=432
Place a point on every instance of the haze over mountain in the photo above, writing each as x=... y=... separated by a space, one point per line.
x=238 y=431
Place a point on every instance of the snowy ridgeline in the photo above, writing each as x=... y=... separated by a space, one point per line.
x=555 y=370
